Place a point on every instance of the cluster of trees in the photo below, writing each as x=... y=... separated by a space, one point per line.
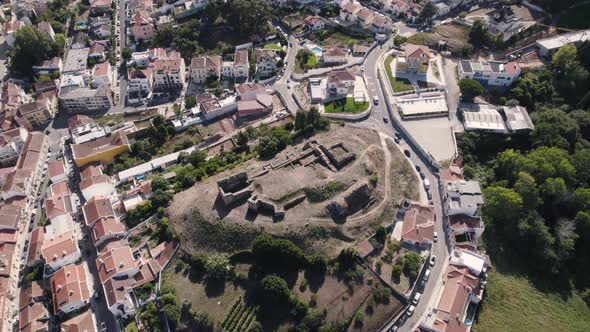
x=479 y=37
x=537 y=201
x=246 y=17
x=284 y=255
x=184 y=38
x=470 y=89
x=166 y=302
x=310 y=121
x=57 y=14
x=31 y=47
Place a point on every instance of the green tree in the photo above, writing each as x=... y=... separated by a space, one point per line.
x=275 y=289
x=300 y=119
x=479 y=35
x=347 y=257
x=317 y=264
x=526 y=187
x=197 y=157
x=126 y=54
x=502 y=208
x=470 y=89
x=428 y=11
x=31 y=46
x=277 y=252
x=169 y=303
x=242 y=139
x=553 y=188
x=217 y=266
x=411 y=264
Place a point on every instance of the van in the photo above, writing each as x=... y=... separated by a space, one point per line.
x=416 y=298
x=426 y=184
x=426 y=275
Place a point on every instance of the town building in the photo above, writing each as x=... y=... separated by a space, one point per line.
x=33 y=317
x=266 y=62
x=117 y=263
x=169 y=73
x=140 y=85
x=59 y=208
x=97 y=51
x=340 y=82
x=60 y=250
x=517 y=118
x=334 y=54
x=463 y=197
x=84 y=322
x=102 y=74
x=548 y=46
x=117 y=297
x=103 y=150
x=69 y=289
x=83 y=129
x=415 y=59
x=50 y=67
x=418 y=226
x=36 y=114
x=137 y=195
x=142 y=27
x=76 y=60
x=262 y=105
x=107 y=229
x=96 y=209
x=94 y=183
x=241 y=67
x=11 y=144
x=75 y=99
x=47 y=29
x=314 y=22
x=205 y=66
x=493 y=73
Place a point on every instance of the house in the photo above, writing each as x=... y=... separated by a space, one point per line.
x=266 y=62
x=103 y=149
x=33 y=317
x=140 y=85
x=380 y=24
x=334 y=54
x=47 y=29
x=36 y=114
x=415 y=59
x=107 y=229
x=349 y=11
x=476 y=263
x=9 y=217
x=9 y=31
x=50 y=67
x=241 y=67
x=399 y=7
x=260 y=106
x=494 y=73
x=461 y=288
x=471 y=227
x=69 y=289
x=142 y=27
x=365 y=18
x=60 y=250
x=57 y=172
x=117 y=297
x=97 y=208
x=12 y=96
x=442 y=9
x=11 y=144
x=59 y=208
x=141 y=5
x=94 y=183
x=60 y=188
x=31 y=294
x=359 y=50
x=84 y=322
x=463 y=197
x=211 y=107
x=102 y=74
x=203 y=67
x=97 y=51
x=117 y=263
x=169 y=74
x=314 y=22
x=137 y=195
x=29 y=168
x=418 y=226
x=34 y=250
x=248 y=91
x=340 y=82
x=100 y=6
x=76 y=99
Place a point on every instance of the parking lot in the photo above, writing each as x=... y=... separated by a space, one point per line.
x=434 y=134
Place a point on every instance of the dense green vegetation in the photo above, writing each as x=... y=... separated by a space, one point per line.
x=30 y=48
x=537 y=201
x=470 y=89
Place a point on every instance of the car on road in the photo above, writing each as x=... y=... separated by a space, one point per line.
x=385 y=119
x=418 y=168
x=407 y=152
x=435 y=237
x=416 y=298
x=422 y=175
x=426 y=275
x=410 y=311
x=103 y=326
x=398 y=136
x=362 y=68
x=432 y=260
x=376 y=100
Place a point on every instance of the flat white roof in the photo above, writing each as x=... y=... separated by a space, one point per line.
x=434 y=104
x=564 y=39
x=484 y=119
x=473 y=261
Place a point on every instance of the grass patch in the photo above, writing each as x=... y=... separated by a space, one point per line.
x=397 y=84
x=272 y=46
x=131 y=327
x=512 y=303
x=324 y=192
x=576 y=17
x=312 y=62
x=418 y=38
x=346 y=105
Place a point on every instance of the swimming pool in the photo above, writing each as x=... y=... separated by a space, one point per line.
x=317 y=50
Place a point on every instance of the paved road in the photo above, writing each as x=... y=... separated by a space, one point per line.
x=122 y=71
x=376 y=120
x=282 y=85
x=450 y=72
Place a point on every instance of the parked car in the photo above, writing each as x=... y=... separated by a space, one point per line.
x=103 y=326
x=411 y=309
x=385 y=119
x=376 y=100
x=432 y=260
x=422 y=175
x=435 y=237
x=418 y=168
x=426 y=275
x=416 y=298
x=407 y=152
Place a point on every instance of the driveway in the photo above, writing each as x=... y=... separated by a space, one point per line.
x=450 y=72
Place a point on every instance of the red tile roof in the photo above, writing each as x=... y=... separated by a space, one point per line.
x=108 y=226
x=59 y=246
x=81 y=323
x=114 y=261
x=418 y=223
x=35 y=244
x=97 y=208
x=69 y=284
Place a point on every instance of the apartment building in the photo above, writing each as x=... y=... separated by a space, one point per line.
x=69 y=289
x=463 y=197
x=102 y=74
x=94 y=183
x=142 y=26
x=60 y=250
x=266 y=62
x=140 y=85
x=36 y=114
x=202 y=67
x=102 y=150
x=75 y=99
x=11 y=145
x=169 y=73
x=241 y=66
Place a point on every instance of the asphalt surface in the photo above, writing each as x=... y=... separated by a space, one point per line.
x=376 y=120
x=122 y=71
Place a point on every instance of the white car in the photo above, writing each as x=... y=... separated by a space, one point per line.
x=362 y=68
x=410 y=311
x=435 y=236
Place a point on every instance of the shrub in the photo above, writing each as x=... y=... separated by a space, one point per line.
x=275 y=288
x=358 y=319
x=381 y=295
x=314 y=300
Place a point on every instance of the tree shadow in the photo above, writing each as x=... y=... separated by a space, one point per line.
x=214 y=288
x=315 y=280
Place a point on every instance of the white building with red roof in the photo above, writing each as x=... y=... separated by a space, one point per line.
x=340 y=82
x=205 y=66
x=334 y=54
x=69 y=289
x=117 y=262
x=314 y=22
x=97 y=208
x=102 y=74
x=418 y=225
x=107 y=229
x=94 y=183
x=60 y=250
x=142 y=26
x=494 y=73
